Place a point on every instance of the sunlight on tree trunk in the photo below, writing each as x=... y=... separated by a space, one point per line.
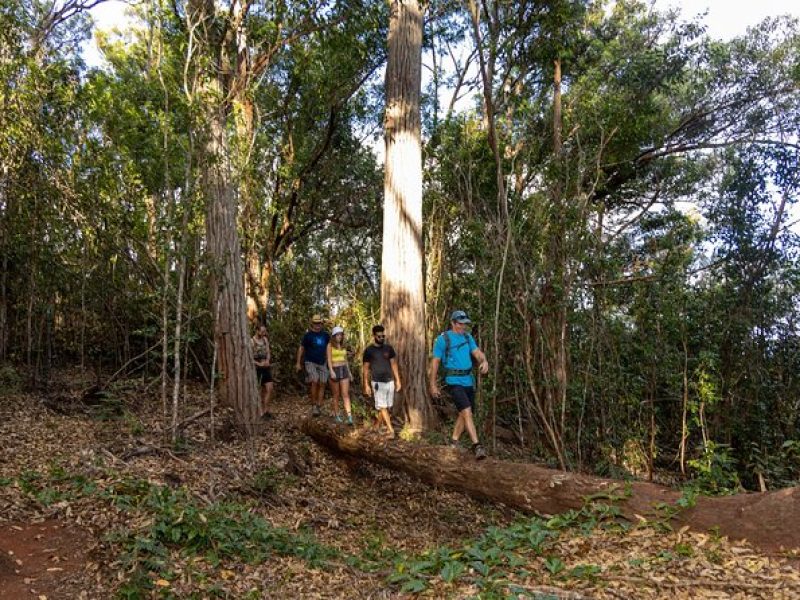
x=402 y=291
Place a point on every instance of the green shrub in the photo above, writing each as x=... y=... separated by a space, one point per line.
x=10 y=379
x=715 y=470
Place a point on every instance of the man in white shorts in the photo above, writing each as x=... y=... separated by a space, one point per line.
x=381 y=377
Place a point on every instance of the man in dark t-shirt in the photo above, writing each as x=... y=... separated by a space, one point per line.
x=312 y=354
x=381 y=377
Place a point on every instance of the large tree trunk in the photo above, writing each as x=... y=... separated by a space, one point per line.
x=402 y=291
x=235 y=353
x=231 y=333
x=766 y=520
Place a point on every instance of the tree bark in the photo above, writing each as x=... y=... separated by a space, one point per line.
x=402 y=288
x=233 y=342
x=762 y=519
x=235 y=354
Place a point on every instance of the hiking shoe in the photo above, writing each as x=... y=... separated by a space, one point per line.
x=315 y=411
x=339 y=419
x=480 y=453
x=267 y=416
x=349 y=419
x=453 y=444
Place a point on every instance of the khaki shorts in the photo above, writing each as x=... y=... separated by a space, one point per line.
x=383 y=394
x=316 y=373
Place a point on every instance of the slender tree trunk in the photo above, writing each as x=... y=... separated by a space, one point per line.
x=685 y=408
x=29 y=321
x=164 y=335
x=3 y=303
x=553 y=359
x=402 y=288
x=557 y=107
x=487 y=62
x=177 y=350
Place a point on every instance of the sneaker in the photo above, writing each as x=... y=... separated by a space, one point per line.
x=480 y=453
x=315 y=411
x=349 y=419
x=453 y=444
x=267 y=416
x=339 y=419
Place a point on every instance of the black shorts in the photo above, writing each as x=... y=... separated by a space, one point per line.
x=463 y=397
x=264 y=375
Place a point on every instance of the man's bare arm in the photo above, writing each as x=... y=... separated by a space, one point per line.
x=365 y=379
x=396 y=372
x=480 y=358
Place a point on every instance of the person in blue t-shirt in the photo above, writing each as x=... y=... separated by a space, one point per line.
x=455 y=350
x=313 y=354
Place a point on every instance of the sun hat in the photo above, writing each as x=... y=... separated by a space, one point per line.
x=459 y=316
x=337 y=330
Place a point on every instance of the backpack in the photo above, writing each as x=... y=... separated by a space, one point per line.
x=447 y=347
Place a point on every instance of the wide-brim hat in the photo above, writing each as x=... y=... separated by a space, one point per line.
x=317 y=319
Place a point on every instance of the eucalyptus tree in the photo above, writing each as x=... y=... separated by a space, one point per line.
x=402 y=287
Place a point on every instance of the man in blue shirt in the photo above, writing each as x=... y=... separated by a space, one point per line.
x=313 y=354
x=454 y=350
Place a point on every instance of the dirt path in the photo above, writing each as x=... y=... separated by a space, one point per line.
x=38 y=560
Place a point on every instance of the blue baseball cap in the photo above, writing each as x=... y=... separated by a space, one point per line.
x=459 y=316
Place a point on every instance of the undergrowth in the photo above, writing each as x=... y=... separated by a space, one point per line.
x=488 y=561
x=177 y=524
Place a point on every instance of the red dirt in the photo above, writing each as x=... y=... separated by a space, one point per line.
x=37 y=559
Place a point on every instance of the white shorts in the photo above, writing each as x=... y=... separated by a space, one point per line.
x=383 y=393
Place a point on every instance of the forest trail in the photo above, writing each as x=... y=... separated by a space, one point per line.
x=298 y=521
x=37 y=558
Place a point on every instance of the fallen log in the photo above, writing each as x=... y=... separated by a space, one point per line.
x=767 y=520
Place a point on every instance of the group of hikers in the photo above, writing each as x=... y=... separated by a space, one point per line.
x=325 y=360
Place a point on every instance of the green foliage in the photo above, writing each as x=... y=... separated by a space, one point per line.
x=10 y=379
x=779 y=468
x=108 y=407
x=176 y=522
x=217 y=532
x=488 y=559
x=269 y=481
x=133 y=423
x=714 y=471
x=55 y=486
